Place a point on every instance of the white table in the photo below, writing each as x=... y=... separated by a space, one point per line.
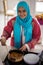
x=4 y=50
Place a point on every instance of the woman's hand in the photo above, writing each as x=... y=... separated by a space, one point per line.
x=23 y=48
x=3 y=40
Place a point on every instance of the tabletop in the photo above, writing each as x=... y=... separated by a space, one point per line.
x=5 y=49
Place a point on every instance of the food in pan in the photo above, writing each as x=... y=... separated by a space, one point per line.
x=15 y=56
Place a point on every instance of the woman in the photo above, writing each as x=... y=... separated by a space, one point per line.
x=26 y=30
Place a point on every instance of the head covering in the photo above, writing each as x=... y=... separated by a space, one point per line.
x=26 y=23
x=26 y=7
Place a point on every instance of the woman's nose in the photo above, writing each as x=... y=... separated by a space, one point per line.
x=21 y=13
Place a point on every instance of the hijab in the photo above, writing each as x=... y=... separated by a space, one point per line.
x=26 y=23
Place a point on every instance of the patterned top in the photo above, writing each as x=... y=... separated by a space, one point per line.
x=35 y=34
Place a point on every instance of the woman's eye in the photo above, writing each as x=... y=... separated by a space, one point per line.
x=19 y=11
x=24 y=11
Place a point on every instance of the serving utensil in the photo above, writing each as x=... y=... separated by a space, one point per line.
x=0 y=39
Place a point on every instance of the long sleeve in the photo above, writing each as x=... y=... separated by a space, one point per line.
x=8 y=28
x=35 y=35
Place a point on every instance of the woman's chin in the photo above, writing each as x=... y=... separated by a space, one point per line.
x=22 y=17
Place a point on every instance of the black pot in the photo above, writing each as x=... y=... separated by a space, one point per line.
x=13 y=62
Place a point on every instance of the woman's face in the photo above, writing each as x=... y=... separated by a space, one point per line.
x=22 y=12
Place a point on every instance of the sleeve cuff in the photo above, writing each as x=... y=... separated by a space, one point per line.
x=27 y=47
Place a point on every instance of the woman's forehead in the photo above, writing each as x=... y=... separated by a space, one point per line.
x=21 y=8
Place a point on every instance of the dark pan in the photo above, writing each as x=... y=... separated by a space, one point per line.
x=12 y=60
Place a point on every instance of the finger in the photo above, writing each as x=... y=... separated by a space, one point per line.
x=20 y=49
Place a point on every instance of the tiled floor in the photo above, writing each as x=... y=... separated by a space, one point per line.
x=2 y=24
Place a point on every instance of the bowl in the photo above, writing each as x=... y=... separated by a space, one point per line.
x=31 y=58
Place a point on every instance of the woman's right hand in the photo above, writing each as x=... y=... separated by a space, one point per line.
x=3 y=40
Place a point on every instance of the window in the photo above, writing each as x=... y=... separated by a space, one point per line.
x=39 y=6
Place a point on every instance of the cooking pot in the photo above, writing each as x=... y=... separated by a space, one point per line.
x=12 y=59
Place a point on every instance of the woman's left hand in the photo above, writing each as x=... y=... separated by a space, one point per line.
x=23 y=48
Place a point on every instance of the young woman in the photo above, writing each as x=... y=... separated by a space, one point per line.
x=26 y=30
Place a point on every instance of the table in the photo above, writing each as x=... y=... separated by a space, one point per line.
x=5 y=49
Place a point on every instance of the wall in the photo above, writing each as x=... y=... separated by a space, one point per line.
x=30 y=2
x=12 y=3
x=1 y=6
